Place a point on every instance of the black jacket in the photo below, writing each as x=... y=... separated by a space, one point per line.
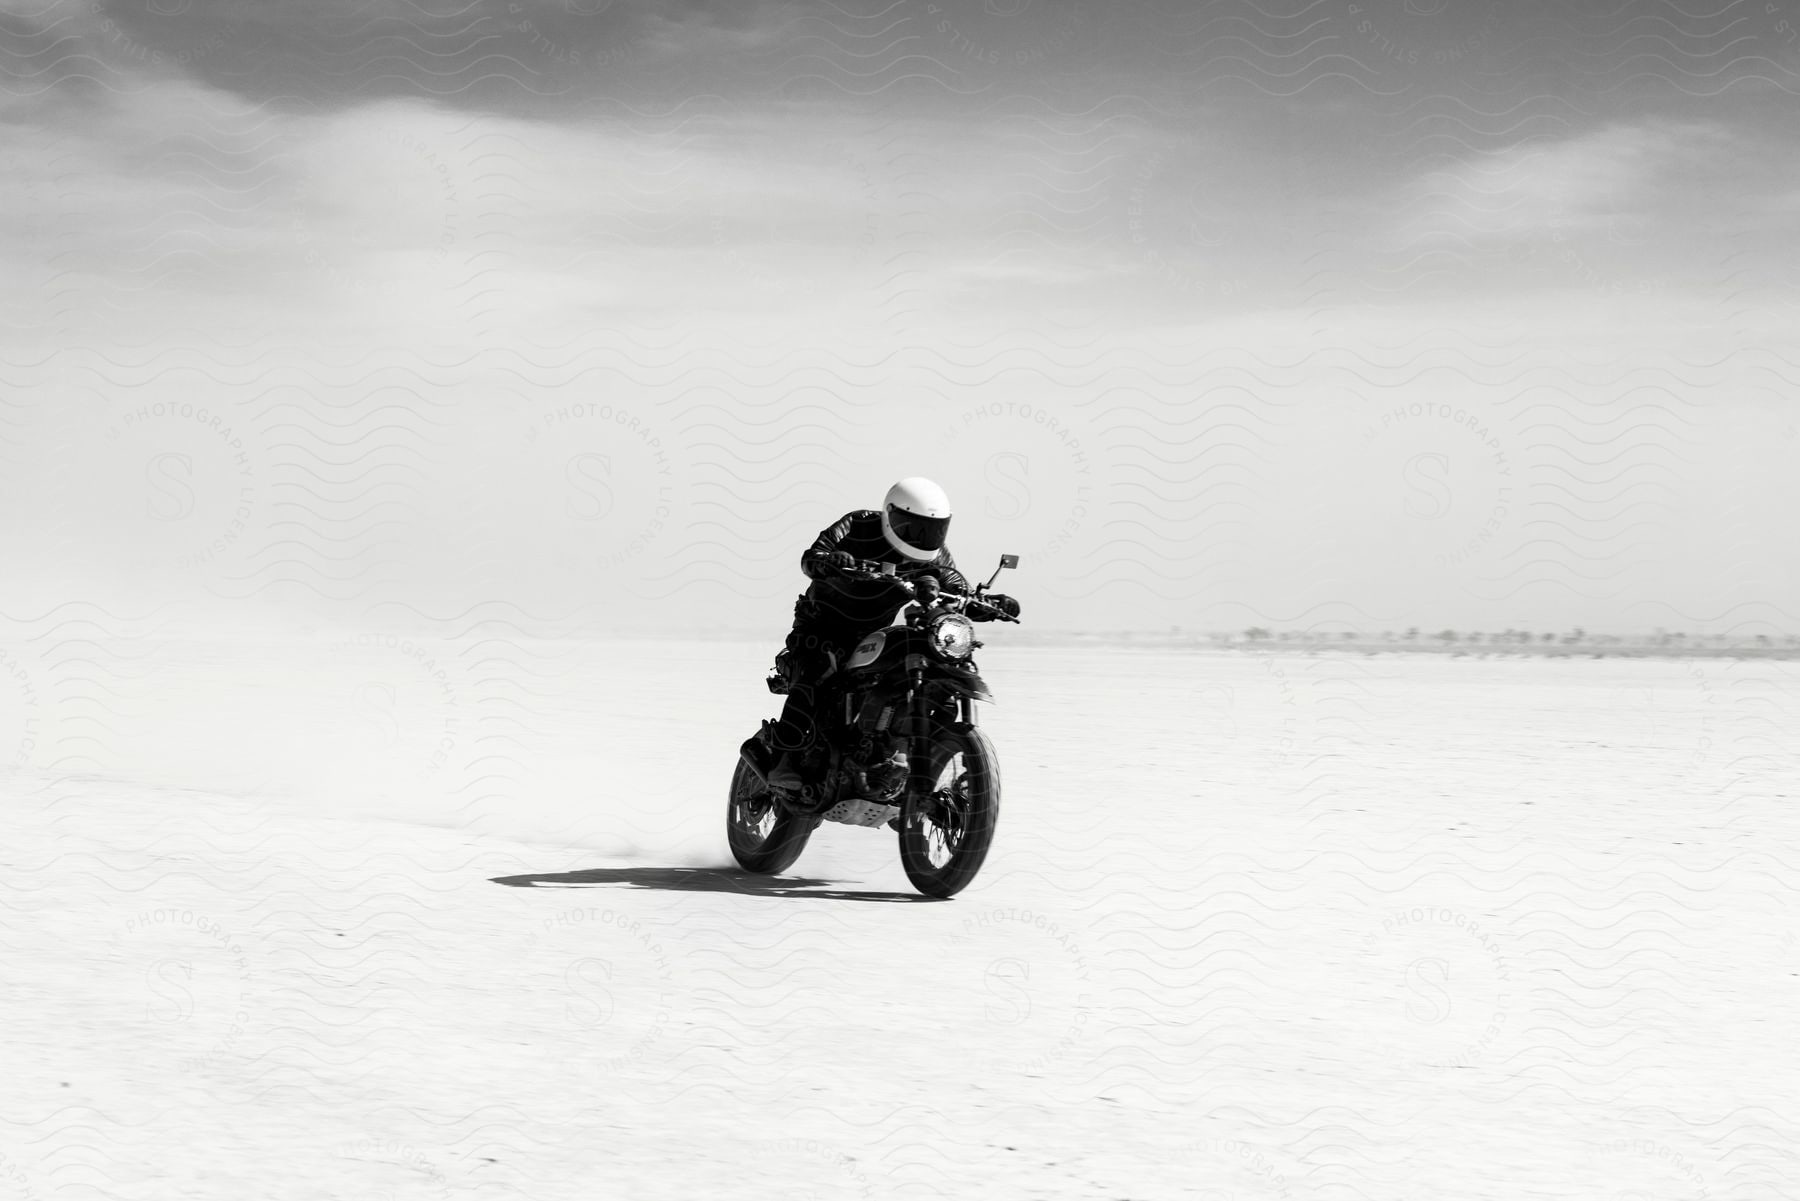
x=864 y=604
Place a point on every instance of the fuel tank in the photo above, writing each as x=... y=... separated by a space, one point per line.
x=867 y=651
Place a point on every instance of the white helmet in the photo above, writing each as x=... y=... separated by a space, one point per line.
x=916 y=518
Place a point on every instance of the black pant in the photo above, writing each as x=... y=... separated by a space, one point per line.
x=814 y=648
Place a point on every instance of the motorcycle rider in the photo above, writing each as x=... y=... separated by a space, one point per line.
x=837 y=610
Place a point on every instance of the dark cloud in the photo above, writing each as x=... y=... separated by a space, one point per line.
x=507 y=54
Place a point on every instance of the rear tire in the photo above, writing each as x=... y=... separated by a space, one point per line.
x=944 y=842
x=764 y=837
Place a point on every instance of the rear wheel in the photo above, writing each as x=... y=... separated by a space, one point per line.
x=945 y=835
x=764 y=837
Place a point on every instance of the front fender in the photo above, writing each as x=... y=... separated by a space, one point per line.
x=961 y=681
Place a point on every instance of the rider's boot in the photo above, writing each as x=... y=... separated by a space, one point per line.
x=776 y=768
x=758 y=755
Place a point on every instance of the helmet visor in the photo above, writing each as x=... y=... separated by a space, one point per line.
x=926 y=533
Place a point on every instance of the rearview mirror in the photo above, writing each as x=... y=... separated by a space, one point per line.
x=1005 y=562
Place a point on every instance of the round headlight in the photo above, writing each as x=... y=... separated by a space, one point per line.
x=953 y=635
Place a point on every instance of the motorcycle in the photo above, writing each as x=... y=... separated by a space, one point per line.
x=900 y=747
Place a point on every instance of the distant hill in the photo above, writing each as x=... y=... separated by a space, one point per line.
x=1537 y=644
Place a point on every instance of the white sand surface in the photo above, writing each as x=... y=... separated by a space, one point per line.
x=454 y=918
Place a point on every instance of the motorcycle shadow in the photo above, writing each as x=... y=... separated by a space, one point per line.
x=705 y=879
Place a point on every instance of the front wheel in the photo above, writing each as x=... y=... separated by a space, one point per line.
x=764 y=837
x=945 y=834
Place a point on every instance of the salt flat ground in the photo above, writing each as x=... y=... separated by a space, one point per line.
x=451 y=919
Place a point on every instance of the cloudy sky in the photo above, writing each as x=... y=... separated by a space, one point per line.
x=1323 y=313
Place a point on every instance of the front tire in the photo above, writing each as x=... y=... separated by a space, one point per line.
x=765 y=838
x=945 y=835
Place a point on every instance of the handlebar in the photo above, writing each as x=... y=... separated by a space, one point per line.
x=874 y=569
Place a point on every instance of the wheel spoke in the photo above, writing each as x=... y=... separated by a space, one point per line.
x=951 y=814
x=946 y=815
x=754 y=812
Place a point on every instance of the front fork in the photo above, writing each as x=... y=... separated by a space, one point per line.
x=918 y=756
